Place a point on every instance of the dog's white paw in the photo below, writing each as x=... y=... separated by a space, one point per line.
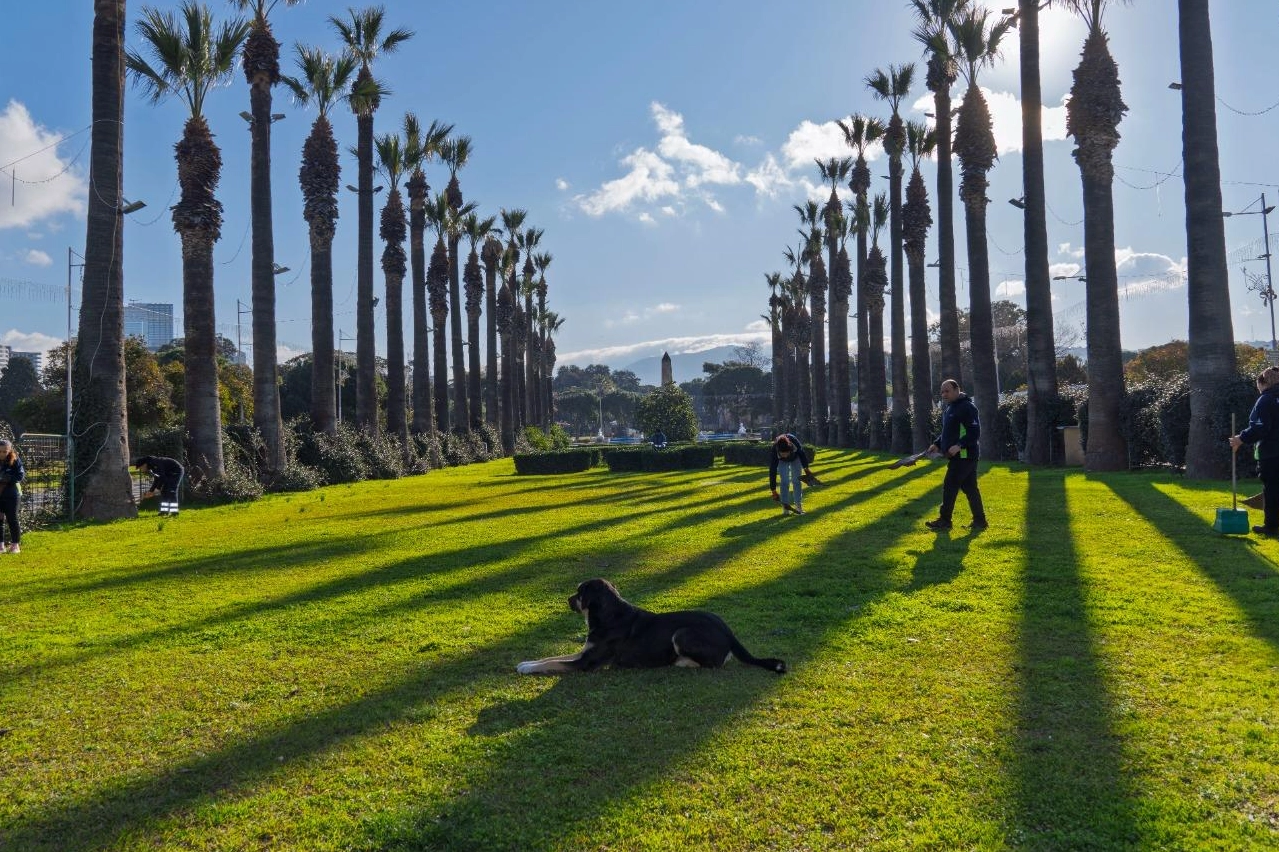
x=527 y=667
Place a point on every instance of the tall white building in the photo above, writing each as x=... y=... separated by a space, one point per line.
x=152 y=321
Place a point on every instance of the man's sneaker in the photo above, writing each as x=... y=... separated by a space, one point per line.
x=786 y=508
x=978 y=525
x=799 y=510
x=938 y=525
x=13 y=548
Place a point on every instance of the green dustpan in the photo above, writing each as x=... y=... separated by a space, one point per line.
x=1232 y=521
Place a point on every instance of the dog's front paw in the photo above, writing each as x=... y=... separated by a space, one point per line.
x=527 y=667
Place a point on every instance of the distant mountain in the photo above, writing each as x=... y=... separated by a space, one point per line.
x=685 y=366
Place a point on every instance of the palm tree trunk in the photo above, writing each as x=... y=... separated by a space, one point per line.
x=421 y=339
x=981 y=330
x=103 y=489
x=921 y=384
x=200 y=387
x=817 y=345
x=323 y=392
x=1106 y=448
x=876 y=389
x=778 y=358
x=951 y=358
x=365 y=343
x=1041 y=360
x=1211 y=332
x=266 y=388
x=396 y=415
x=441 y=373
x=490 y=353
x=460 y=412
x=863 y=339
x=901 y=384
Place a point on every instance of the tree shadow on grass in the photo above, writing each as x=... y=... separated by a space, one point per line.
x=1235 y=564
x=1072 y=792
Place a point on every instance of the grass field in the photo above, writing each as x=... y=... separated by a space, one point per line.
x=335 y=670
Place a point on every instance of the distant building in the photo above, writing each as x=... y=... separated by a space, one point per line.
x=668 y=374
x=152 y=321
x=36 y=358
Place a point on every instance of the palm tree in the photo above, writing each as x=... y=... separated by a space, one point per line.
x=362 y=35
x=477 y=231
x=836 y=170
x=1041 y=351
x=916 y=220
x=321 y=78
x=512 y=225
x=1093 y=114
x=935 y=18
x=542 y=262
x=437 y=290
x=774 y=317
x=491 y=257
x=841 y=286
x=524 y=323
x=1212 y=351
x=551 y=322
x=876 y=389
x=390 y=154
x=892 y=86
x=797 y=325
x=810 y=215
x=100 y=416
x=860 y=133
x=455 y=152
x=977 y=45
x=420 y=147
x=504 y=316
x=261 y=62
x=191 y=58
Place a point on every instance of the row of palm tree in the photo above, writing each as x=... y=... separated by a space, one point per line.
x=962 y=40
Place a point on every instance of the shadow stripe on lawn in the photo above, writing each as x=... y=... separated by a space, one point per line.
x=1072 y=792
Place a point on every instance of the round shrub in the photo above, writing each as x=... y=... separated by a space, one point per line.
x=670 y=409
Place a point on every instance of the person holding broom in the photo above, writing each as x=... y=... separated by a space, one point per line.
x=1263 y=433
x=788 y=458
x=960 y=429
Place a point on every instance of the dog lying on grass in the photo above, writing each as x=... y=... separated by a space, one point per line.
x=621 y=634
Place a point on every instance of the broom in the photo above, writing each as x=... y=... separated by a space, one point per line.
x=1232 y=520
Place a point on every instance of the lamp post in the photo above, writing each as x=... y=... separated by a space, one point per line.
x=70 y=265
x=341 y=368
x=1269 y=295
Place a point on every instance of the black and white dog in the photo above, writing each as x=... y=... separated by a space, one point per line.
x=621 y=634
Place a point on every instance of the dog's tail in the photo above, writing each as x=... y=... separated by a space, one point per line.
x=771 y=663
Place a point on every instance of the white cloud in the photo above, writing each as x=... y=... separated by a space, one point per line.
x=768 y=177
x=1064 y=270
x=62 y=188
x=747 y=140
x=1005 y=114
x=646 y=218
x=811 y=141
x=702 y=164
x=760 y=325
x=35 y=257
x=1065 y=249
x=668 y=210
x=673 y=345
x=649 y=179
x=561 y=184
x=29 y=341
x=664 y=308
x=1010 y=289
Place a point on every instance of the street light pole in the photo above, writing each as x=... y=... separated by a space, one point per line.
x=1269 y=295
x=341 y=368
x=70 y=253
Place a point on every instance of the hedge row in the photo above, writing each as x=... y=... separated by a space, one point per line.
x=650 y=460
x=564 y=461
x=757 y=454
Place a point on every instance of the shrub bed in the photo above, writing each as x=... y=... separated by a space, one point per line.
x=566 y=461
x=757 y=454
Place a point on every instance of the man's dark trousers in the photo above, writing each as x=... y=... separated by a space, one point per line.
x=961 y=475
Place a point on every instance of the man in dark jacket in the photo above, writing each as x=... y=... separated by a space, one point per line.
x=168 y=479
x=1263 y=434
x=960 y=430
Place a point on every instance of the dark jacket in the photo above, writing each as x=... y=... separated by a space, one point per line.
x=166 y=471
x=774 y=460
x=959 y=425
x=12 y=474
x=1263 y=425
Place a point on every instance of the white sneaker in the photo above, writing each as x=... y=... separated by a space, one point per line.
x=13 y=548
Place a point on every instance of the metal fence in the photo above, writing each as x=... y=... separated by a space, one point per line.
x=44 y=491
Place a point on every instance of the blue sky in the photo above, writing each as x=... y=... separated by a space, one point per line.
x=660 y=145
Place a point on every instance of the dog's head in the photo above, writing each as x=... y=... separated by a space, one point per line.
x=596 y=596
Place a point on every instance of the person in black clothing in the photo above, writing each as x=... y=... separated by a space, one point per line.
x=659 y=439
x=960 y=430
x=11 y=474
x=1263 y=433
x=789 y=457
x=168 y=479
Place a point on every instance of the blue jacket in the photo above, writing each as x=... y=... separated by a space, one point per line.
x=11 y=475
x=774 y=460
x=1263 y=425
x=960 y=425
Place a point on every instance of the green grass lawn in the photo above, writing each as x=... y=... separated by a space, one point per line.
x=336 y=669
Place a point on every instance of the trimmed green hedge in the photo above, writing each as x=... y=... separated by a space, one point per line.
x=757 y=454
x=567 y=461
x=643 y=458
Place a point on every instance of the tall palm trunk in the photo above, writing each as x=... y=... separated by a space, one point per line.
x=393 y=268
x=103 y=489
x=895 y=142
x=438 y=287
x=1041 y=358
x=1092 y=117
x=365 y=342
x=503 y=317
x=461 y=419
x=422 y=419
x=947 y=298
x=531 y=414
x=977 y=155
x=1212 y=353
x=197 y=218
x=863 y=335
x=778 y=357
x=817 y=284
x=876 y=389
x=319 y=177
x=803 y=374
x=841 y=287
x=917 y=219
x=491 y=255
x=474 y=302
x=262 y=70
x=519 y=333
